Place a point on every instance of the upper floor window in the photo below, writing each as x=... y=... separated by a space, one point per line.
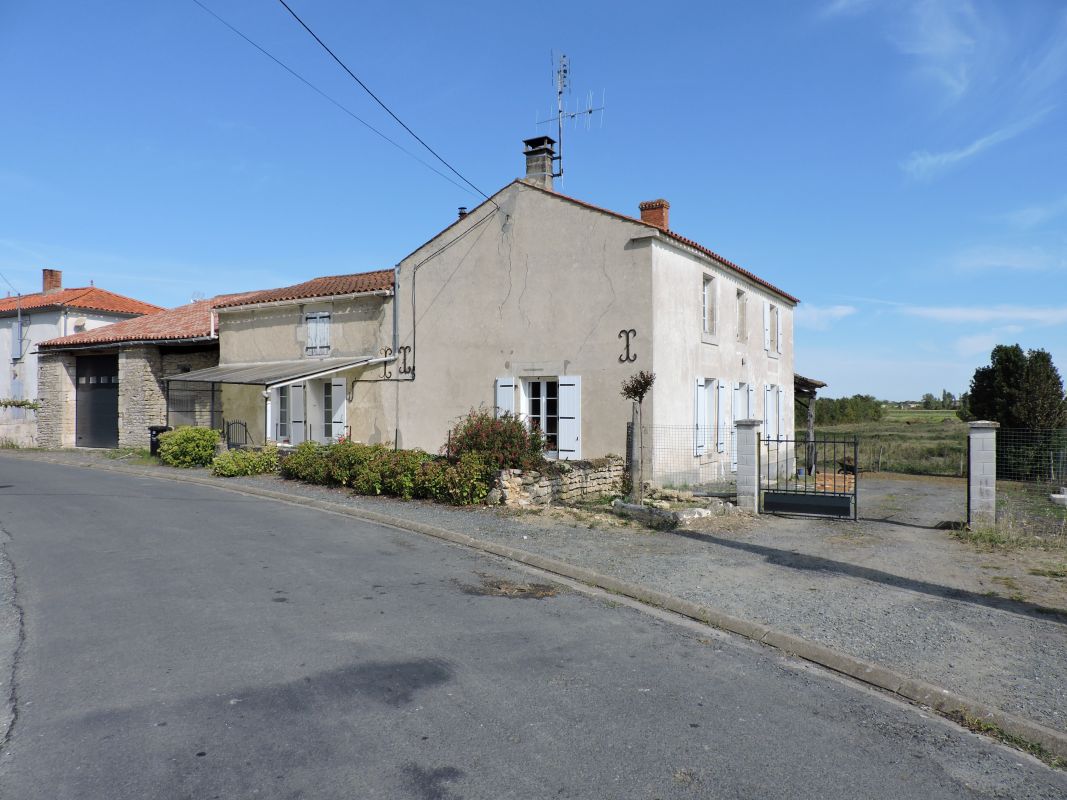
x=318 y=333
x=708 y=304
x=742 y=316
x=772 y=328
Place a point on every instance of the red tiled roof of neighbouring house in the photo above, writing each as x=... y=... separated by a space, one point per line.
x=329 y=286
x=192 y=321
x=89 y=298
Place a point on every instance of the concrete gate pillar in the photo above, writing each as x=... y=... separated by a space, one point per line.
x=982 y=473
x=748 y=483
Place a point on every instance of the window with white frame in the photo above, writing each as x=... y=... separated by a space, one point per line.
x=327 y=410
x=742 y=315
x=773 y=412
x=708 y=305
x=283 y=414
x=543 y=413
x=552 y=405
x=318 y=333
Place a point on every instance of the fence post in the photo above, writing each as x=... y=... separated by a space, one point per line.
x=748 y=482
x=982 y=472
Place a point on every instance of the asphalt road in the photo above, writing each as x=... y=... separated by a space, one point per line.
x=180 y=641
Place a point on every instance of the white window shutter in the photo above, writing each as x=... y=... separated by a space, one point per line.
x=782 y=433
x=339 y=412
x=505 y=396
x=778 y=311
x=324 y=332
x=767 y=411
x=700 y=408
x=720 y=417
x=570 y=417
x=751 y=412
x=766 y=325
x=313 y=332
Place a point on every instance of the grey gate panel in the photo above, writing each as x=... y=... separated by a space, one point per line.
x=97 y=420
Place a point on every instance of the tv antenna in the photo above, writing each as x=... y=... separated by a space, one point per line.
x=562 y=83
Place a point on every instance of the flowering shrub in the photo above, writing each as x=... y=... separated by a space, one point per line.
x=503 y=442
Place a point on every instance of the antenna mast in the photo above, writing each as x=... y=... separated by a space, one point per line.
x=563 y=83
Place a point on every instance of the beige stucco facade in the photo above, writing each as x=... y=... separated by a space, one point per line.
x=545 y=287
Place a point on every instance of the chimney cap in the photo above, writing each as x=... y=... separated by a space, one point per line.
x=539 y=143
x=648 y=204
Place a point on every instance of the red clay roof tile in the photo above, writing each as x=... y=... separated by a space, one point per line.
x=328 y=286
x=89 y=298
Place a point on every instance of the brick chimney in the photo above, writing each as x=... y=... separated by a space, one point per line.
x=539 y=153
x=51 y=280
x=655 y=212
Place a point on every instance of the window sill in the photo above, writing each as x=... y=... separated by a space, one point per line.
x=709 y=338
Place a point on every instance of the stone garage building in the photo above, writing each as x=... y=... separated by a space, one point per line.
x=103 y=388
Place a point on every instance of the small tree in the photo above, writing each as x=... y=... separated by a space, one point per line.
x=1019 y=390
x=635 y=388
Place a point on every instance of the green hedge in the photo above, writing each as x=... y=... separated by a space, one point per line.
x=372 y=469
x=188 y=447
x=235 y=463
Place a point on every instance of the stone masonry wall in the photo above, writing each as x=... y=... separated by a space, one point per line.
x=56 y=373
x=143 y=392
x=585 y=479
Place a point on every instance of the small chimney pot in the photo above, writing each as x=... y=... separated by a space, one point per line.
x=51 y=280
x=462 y=212
x=656 y=212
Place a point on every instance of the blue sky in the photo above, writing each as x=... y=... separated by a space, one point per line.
x=899 y=165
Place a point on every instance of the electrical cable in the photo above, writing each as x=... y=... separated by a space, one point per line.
x=9 y=283
x=323 y=94
x=379 y=102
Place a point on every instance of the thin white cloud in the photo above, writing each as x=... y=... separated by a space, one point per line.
x=1015 y=259
x=923 y=165
x=841 y=7
x=944 y=38
x=1035 y=216
x=990 y=314
x=820 y=318
x=981 y=343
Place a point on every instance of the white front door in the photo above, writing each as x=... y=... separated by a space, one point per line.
x=333 y=409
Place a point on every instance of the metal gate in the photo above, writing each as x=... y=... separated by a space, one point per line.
x=817 y=476
x=96 y=421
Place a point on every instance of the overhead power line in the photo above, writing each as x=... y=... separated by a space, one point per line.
x=378 y=100
x=323 y=94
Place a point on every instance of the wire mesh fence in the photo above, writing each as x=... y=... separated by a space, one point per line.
x=197 y=404
x=688 y=457
x=1031 y=475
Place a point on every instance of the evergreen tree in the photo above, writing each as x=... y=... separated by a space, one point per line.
x=1017 y=389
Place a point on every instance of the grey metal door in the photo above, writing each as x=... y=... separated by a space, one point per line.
x=97 y=420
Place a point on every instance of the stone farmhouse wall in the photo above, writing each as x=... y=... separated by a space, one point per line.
x=584 y=479
x=143 y=392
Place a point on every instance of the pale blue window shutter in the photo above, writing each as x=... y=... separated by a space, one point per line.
x=700 y=408
x=720 y=417
x=766 y=325
x=505 y=396
x=768 y=413
x=339 y=412
x=778 y=313
x=751 y=410
x=782 y=432
x=570 y=417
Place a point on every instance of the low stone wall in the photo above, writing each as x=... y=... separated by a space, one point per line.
x=18 y=426
x=578 y=481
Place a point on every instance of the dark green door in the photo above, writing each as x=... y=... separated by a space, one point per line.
x=97 y=421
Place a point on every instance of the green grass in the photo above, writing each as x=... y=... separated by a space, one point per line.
x=912 y=441
x=132 y=455
x=992 y=729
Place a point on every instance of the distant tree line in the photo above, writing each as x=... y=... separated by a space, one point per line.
x=843 y=410
x=933 y=403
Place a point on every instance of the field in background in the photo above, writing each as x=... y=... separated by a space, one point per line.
x=913 y=441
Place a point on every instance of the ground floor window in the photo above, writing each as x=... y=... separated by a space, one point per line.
x=543 y=414
x=550 y=404
x=283 y=414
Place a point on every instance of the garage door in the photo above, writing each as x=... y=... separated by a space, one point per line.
x=97 y=422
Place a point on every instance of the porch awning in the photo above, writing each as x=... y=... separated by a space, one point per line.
x=272 y=374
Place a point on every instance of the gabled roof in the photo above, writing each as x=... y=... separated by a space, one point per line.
x=328 y=286
x=635 y=220
x=89 y=298
x=670 y=235
x=184 y=323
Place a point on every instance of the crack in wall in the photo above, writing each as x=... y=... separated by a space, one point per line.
x=611 y=285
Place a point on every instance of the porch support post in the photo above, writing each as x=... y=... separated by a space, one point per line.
x=748 y=483
x=982 y=473
x=266 y=417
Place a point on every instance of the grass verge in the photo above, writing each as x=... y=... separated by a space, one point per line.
x=993 y=730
